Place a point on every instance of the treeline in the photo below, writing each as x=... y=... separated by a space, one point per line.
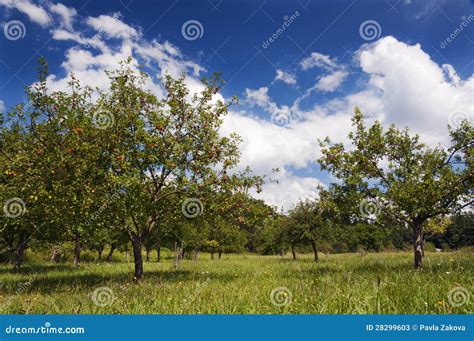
x=365 y=237
x=123 y=169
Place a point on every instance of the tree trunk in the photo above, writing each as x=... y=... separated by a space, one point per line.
x=137 y=258
x=18 y=255
x=178 y=255
x=77 y=251
x=418 y=244
x=147 y=255
x=158 y=253
x=111 y=252
x=293 y=251
x=100 y=250
x=56 y=256
x=220 y=255
x=212 y=255
x=315 y=250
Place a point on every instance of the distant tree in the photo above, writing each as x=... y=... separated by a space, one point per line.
x=312 y=221
x=458 y=233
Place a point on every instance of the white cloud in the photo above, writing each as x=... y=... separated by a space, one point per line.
x=2 y=106
x=417 y=91
x=320 y=60
x=36 y=13
x=288 y=190
x=65 y=13
x=159 y=57
x=285 y=77
x=332 y=81
x=95 y=42
x=335 y=73
x=261 y=98
x=266 y=146
x=112 y=27
x=451 y=74
x=404 y=87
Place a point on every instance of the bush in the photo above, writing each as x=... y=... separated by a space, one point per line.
x=430 y=247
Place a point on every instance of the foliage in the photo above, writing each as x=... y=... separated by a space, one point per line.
x=403 y=177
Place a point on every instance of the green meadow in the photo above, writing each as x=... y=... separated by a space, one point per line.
x=374 y=283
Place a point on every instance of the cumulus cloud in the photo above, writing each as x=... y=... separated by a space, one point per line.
x=288 y=189
x=334 y=76
x=418 y=92
x=285 y=77
x=404 y=86
x=34 y=12
x=332 y=81
x=261 y=99
x=66 y=14
x=92 y=55
x=320 y=60
x=112 y=27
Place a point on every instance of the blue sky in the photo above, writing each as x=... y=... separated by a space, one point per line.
x=408 y=62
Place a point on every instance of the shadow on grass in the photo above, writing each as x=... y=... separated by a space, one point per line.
x=35 y=268
x=47 y=283
x=316 y=269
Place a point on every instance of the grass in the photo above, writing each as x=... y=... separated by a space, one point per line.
x=242 y=284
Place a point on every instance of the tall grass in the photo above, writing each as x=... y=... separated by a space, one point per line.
x=242 y=284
